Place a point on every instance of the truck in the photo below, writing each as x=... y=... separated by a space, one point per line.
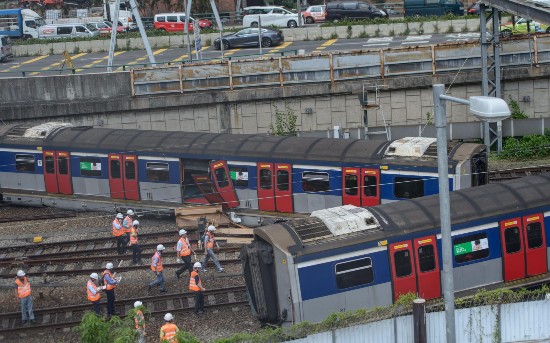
x=20 y=23
x=125 y=17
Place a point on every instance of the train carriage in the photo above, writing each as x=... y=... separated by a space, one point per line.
x=56 y=164
x=346 y=258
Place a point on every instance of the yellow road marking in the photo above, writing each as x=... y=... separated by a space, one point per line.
x=143 y=58
x=99 y=60
x=326 y=44
x=228 y=53
x=26 y=62
x=59 y=63
x=278 y=48
x=182 y=57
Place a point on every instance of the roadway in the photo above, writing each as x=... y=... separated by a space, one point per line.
x=96 y=62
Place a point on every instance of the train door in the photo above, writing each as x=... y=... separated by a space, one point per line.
x=50 y=172
x=415 y=268
x=123 y=177
x=361 y=186
x=64 y=180
x=283 y=188
x=266 y=189
x=523 y=247
x=223 y=184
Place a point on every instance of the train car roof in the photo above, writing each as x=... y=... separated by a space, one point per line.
x=313 y=235
x=417 y=151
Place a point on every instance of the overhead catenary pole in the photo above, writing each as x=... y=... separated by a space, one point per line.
x=219 y=22
x=260 y=33
x=188 y=4
x=142 y=32
x=112 y=43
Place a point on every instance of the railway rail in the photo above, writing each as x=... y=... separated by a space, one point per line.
x=58 y=318
x=516 y=173
x=37 y=217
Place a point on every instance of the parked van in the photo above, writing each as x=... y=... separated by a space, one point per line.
x=67 y=31
x=353 y=10
x=270 y=15
x=5 y=48
x=433 y=7
x=172 y=22
x=20 y=23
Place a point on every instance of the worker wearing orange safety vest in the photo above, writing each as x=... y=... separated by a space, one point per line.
x=139 y=319
x=195 y=286
x=184 y=251
x=93 y=292
x=110 y=283
x=156 y=266
x=118 y=233
x=209 y=244
x=168 y=330
x=127 y=224
x=136 y=249
x=25 y=297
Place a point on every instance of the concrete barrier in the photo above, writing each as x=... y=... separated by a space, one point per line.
x=291 y=35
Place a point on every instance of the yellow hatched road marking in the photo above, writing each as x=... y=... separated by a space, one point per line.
x=279 y=48
x=143 y=58
x=26 y=62
x=182 y=57
x=229 y=53
x=326 y=44
x=59 y=63
x=100 y=60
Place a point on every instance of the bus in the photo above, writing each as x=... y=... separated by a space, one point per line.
x=433 y=7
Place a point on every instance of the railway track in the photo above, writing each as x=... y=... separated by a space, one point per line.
x=37 y=217
x=58 y=318
x=510 y=174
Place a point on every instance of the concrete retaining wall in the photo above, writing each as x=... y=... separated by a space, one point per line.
x=307 y=33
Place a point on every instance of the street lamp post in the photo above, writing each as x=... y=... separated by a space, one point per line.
x=488 y=109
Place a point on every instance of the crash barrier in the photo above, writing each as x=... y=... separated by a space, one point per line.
x=334 y=67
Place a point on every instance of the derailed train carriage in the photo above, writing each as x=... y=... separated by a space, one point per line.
x=346 y=258
x=59 y=165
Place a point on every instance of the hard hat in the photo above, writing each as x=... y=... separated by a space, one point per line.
x=160 y=247
x=168 y=317
x=120 y=216
x=130 y=212
x=20 y=273
x=94 y=276
x=182 y=232
x=109 y=265
x=135 y=223
x=211 y=228
x=197 y=265
x=137 y=304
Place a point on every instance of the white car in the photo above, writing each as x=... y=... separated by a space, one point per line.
x=270 y=15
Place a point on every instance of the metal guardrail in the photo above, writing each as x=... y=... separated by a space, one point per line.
x=333 y=67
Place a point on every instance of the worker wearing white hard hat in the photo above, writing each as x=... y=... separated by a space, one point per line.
x=139 y=320
x=156 y=267
x=24 y=295
x=93 y=289
x=134 y=243
x=118 y=233
x=195 y=286
x=183 y=253
x=209 y=245
x=169 y=329
x=110 y=283
x=127 y=224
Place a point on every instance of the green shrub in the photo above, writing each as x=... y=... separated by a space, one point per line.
x=527 y=147
x=517 y=112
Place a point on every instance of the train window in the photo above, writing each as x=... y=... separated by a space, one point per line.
x=90 y=166
x=315 y=182
x=115 y=169
x=24 y=163
x=239 y=175
x=265 y=179
x=408 y=187
x=221 y=177
x=130 y=170
x=369 y=185
x=402 y=260
x=470 y=248
x=354 y=273
x=512 y=240
x=351 y=184
x=534 y=235
x=63 y=165
x=50 y=165
x=283 y=180
x=426 y=258
x=479 y=170
x=157 y=171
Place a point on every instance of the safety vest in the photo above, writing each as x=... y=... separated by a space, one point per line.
x=128 y=222
x=23 y=288
x=139 y=319
x=169 y=331
x=133 y=236
x=91 y=296
x=185 y=248
x=158 y=268
x=211 y=240
x=108 y=287
x=117 y=232
x=192 y=285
